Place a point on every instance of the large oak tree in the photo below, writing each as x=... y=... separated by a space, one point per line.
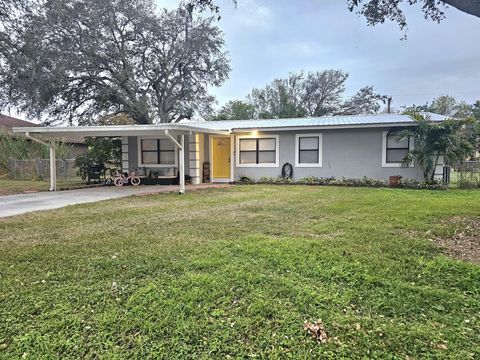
x=78 y=60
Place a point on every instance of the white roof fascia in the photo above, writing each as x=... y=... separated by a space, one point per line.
x=115 y=130
x=323 y=127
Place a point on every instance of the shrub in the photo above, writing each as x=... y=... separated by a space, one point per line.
x=21 y=148
x=415 y=184
x=343 y=181
x=101 y=151
x=246 y=180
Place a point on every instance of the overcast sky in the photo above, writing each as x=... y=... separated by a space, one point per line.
x=270 y=38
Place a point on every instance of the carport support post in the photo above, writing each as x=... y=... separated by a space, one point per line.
x=181 y=164
x=181 y=159
x=53 y=167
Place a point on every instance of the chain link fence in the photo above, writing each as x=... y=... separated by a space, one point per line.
x=468 y=174
x=40 y=169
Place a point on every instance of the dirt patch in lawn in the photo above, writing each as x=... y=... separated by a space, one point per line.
x=464 y=243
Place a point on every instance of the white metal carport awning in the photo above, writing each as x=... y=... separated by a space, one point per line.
x=49 y=135
x=115 y=130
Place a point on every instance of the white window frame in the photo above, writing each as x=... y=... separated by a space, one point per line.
x=320 y=151
x=139 y=149
x=266 y=165
x=386 y=164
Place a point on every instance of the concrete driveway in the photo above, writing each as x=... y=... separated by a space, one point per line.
x=23 y=203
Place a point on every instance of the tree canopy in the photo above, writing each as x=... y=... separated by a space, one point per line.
x=235 y=110
x=378 y=11
x=77 y=60
x=446 y=105
x=449 y=139
x=302 y=95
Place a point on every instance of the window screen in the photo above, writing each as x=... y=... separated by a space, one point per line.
x=396 y=149
x=157 y=152
x=309 y=150
x=258 y=151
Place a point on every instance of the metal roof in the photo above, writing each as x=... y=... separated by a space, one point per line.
x=227 y=126
x=347 y=121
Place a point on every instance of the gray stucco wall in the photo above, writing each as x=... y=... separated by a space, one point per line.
x=350 y=153
x=132 y=152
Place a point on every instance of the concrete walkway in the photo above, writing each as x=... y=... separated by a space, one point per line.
x=22 y=203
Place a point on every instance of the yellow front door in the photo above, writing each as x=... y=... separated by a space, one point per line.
x=221 y=158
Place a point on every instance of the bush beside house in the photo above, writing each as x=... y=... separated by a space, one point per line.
x=24 y=159
x=358 y=182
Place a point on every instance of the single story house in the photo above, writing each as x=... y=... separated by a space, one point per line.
x=224 y=151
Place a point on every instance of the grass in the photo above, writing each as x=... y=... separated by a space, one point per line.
x=464 y=180
x=235 y=273
x=11 y=186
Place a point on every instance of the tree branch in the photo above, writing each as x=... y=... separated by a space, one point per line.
x=471 y=7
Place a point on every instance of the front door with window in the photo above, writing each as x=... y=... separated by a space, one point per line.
x=221 y=158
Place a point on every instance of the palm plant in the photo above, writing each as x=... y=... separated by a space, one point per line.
x=434 y=141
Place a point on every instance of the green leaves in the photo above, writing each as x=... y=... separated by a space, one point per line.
x=436 y=140
x=20 y=148
x=110 y=57
x=102 y=151
x=238 y=274
x=303 y=94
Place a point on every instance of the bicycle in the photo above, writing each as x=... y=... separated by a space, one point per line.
x=125 y=178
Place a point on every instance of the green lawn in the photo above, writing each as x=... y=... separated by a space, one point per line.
x=235 y=273
x=11 y=186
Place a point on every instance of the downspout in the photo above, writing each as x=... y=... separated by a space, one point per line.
x=181 y=159
x=167 y=134
x=53 y=167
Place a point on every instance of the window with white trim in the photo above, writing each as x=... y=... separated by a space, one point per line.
x=157 y=152
x=258 y=150
x=308 y=150
x=394 y=149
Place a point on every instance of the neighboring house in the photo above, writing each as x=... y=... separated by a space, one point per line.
x=7 y=123
x=333 y=146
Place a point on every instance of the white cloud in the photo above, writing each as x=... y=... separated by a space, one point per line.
x=299 y=49
x=251 y=14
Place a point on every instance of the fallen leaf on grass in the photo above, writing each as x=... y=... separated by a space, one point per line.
x=442 y=346
x=316 y=330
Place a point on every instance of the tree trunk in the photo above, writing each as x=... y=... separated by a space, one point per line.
x=426 y=175
x=471 y=7
x=432 y=178
x=163 y=115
